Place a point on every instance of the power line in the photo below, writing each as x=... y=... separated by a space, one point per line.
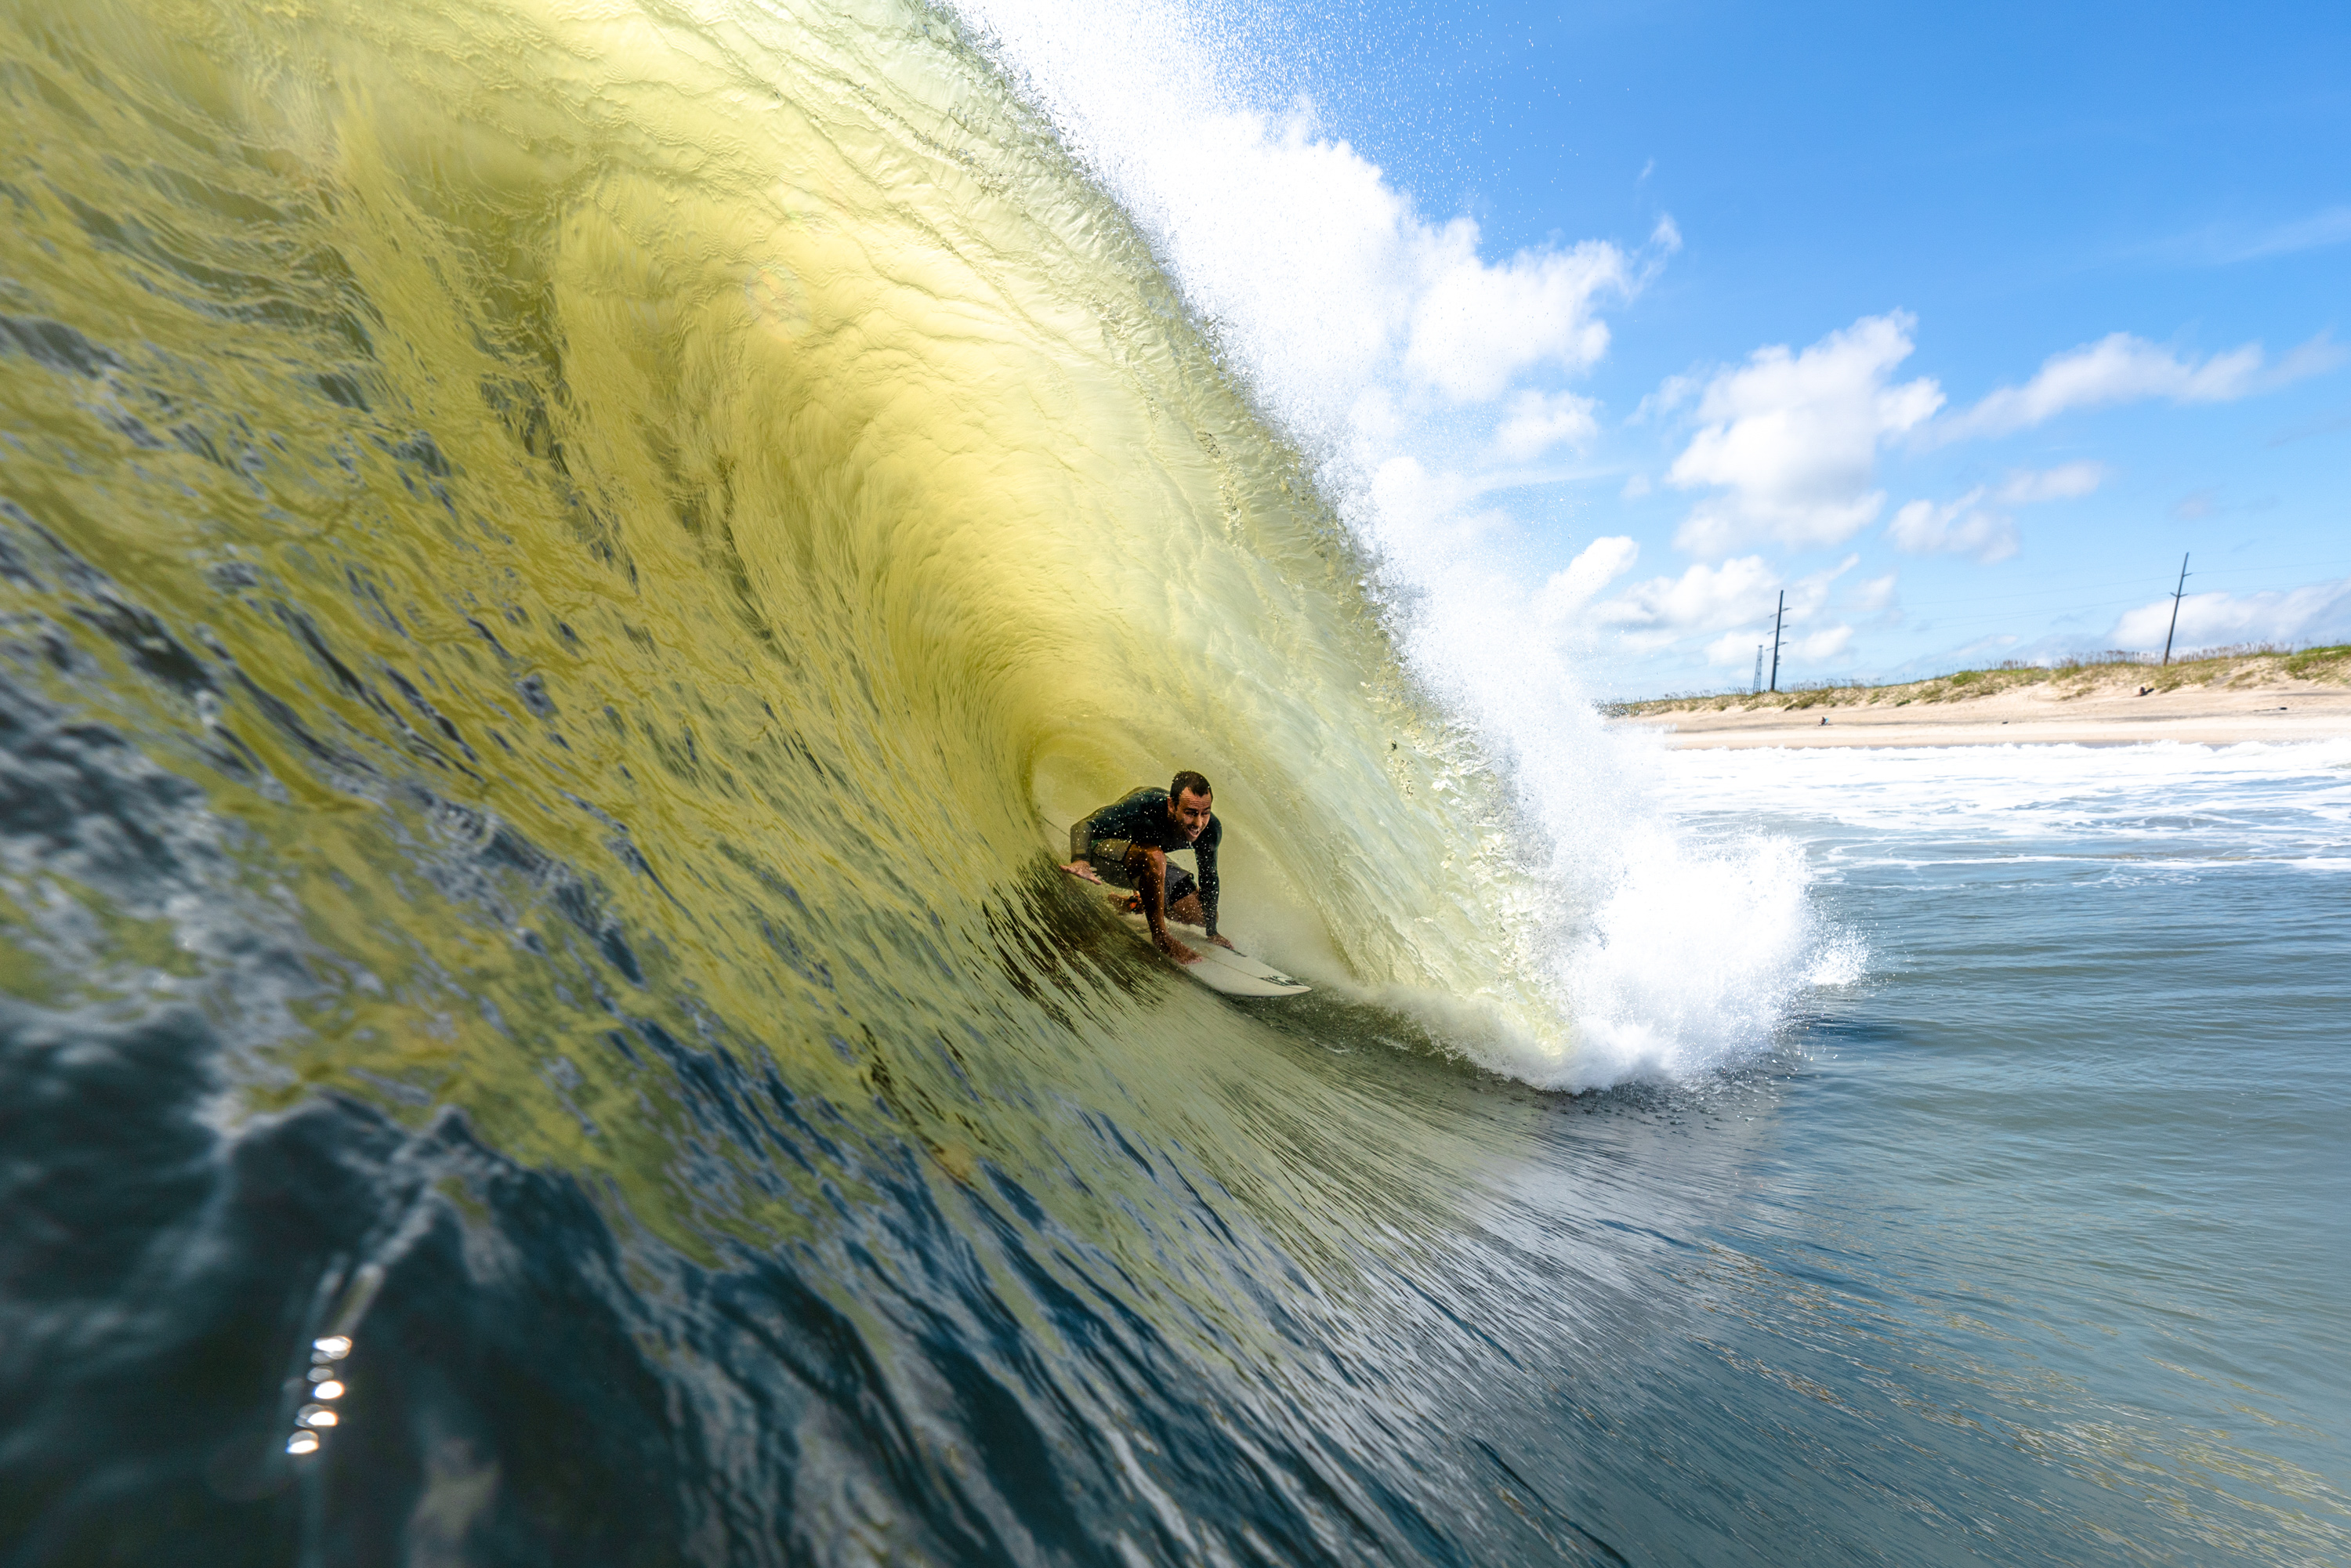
x=2289 y=566
x=2072 y=604
x=2093 y=586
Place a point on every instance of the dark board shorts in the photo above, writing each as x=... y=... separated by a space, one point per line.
x=1110 y=864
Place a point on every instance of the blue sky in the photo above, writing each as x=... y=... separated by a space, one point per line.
x=2010 y=182
x=1958 y=328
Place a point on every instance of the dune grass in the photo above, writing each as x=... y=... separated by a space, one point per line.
x=2214 y=668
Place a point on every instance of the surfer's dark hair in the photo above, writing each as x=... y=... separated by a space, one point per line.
x=1189 y=783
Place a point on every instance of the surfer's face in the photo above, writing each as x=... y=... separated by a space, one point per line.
x=1191 y=813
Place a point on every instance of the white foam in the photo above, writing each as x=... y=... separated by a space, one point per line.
x=2288 y=800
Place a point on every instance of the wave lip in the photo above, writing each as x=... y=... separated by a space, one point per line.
x=1388 y=346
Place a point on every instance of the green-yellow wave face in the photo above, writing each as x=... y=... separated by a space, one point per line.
x=658 y=521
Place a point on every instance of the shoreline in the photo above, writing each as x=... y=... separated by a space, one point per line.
x=2029 y=716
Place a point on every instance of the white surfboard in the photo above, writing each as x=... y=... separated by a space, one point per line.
x=1220 y=969
x=1234 y=973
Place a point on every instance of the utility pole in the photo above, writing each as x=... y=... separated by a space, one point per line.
x=1781 y=615
x=2175 y=608
x=1756 y=689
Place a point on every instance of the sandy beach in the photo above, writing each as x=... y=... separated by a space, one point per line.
x=2275 y=710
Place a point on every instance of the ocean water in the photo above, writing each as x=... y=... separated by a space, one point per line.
x=2074 y=1139
x=564 y=569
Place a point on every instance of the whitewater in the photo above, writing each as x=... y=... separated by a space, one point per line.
x=565 y=569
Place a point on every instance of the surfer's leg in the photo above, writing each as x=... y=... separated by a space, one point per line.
x=1131 y=871
x=1114 y=860
x=1184 y=897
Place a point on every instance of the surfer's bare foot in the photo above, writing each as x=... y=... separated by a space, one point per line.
x=1221 y=942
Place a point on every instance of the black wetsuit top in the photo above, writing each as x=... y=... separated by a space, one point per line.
x=1139 y=817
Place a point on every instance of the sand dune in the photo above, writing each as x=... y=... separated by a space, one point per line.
x=2108 y=713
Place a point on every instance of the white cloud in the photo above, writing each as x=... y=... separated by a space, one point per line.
x=1537 y=421
x=2320 y=229
x=1807 y=596
x=1794 y=438
x=1738 y=648
x=1959 y=528
x=1703 y=598
x=2120 y=368
x=1733 y=650
x=1474 y=324
x=1600 y=563
x=2024 y=486
x=1740 y=598
x=1823 y=645
x=1742 y=591
x=2317 y=611
x=1969 y=526
x=1875 y=595
x=1671 y=393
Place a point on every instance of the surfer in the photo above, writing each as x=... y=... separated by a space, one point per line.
x=1125 y=844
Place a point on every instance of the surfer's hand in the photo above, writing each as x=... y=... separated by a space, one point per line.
x=1084 y=869
x=1173 y=948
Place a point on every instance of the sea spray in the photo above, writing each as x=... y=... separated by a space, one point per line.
x=1383 y=340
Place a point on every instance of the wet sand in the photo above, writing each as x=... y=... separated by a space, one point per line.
x=2284 y=710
